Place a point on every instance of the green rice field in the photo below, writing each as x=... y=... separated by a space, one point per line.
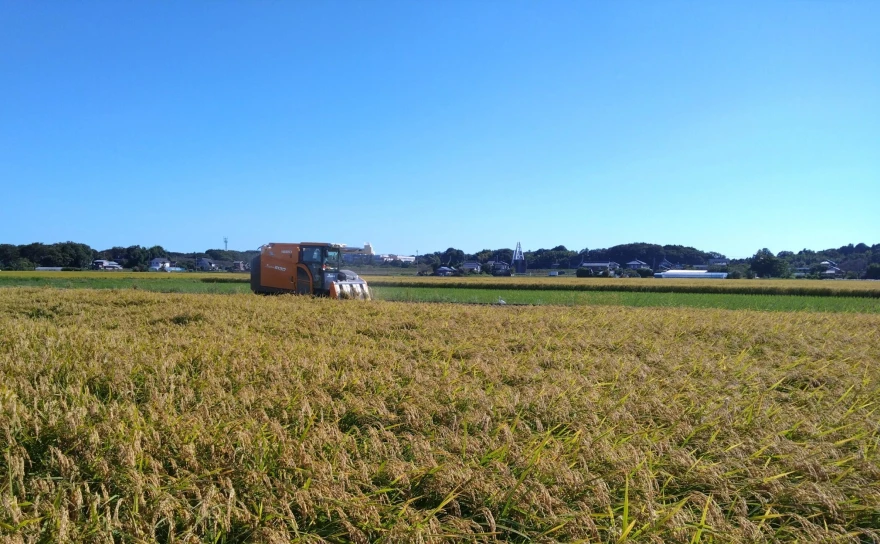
x=637 y=299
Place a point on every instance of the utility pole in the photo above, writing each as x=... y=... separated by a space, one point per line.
x=225 y=243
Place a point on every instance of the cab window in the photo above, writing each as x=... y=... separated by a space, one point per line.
x=311 y=255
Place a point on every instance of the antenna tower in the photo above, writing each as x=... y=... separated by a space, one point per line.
x=226 y=243
x=519 y=260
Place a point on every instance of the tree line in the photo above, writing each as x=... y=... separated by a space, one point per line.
x=77 y=255
x=854 y=260
x=562 y=257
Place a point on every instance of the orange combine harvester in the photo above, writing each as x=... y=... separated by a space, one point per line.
x=306 y=268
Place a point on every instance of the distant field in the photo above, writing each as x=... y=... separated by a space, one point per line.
x=189 y=282
x=731 y=301
x=133 y=416
x=821 y=296
x=849 y=288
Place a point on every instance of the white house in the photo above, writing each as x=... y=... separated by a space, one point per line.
x=159 y=263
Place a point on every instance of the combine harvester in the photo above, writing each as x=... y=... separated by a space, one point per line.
x=307 y=268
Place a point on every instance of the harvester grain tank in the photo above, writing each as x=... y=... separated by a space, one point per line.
x=305 y=268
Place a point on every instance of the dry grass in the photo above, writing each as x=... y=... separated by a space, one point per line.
x=130 y=416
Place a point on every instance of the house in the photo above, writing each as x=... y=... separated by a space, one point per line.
x=666 y=264
x=159 y=263
x=471 y=266
x=600 y=266
x=238 y=266
x=801 y=271
x=499 y=268
x=829 y=272
x=205 y=264
x=445 y=271
x=636 y=264
x=832 y=272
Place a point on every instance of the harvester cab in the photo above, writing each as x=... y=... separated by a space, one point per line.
x=306 y=268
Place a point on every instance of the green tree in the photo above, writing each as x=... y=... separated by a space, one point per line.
x=8 y=254
x=75 y=255
x=136 y=257
x=767 y=265
x=484 y=255
x=22 y=264
x=156 y=251
x=873 y=272
x=32 y=252
x=452 y=257
x=51 y=256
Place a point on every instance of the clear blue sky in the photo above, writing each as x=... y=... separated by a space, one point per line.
x=724 y=125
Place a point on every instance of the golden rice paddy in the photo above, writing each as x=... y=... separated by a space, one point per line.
x=130 y=416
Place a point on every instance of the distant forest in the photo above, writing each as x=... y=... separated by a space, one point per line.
x=75 y=255
x=854 y=260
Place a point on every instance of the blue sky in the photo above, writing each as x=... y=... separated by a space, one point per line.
x=728 y=126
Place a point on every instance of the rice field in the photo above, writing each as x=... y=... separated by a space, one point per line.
x=163 y=282
x=226 y=282
x=643 y=299
x=831 y=288
x=134 y=416
x=775 y=295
